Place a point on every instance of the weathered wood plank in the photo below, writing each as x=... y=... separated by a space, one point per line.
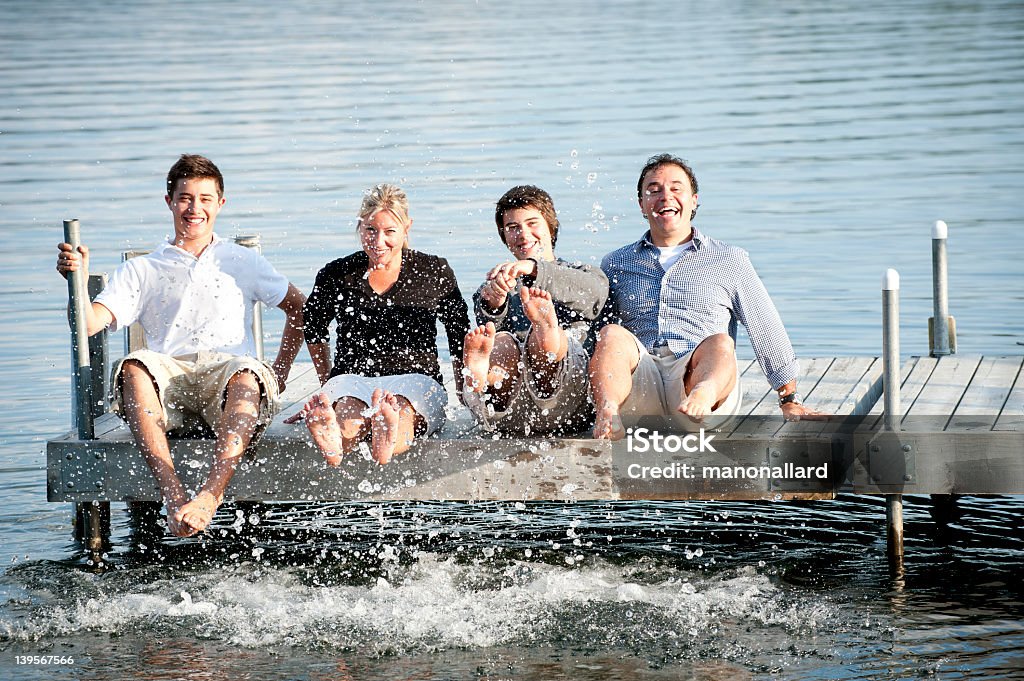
x=302 y=383
x=850 y=387
x=938 y=399
x=914 y=374
x=986 y=394
x=765 y=418
x=1012 y=416
x=754 y=390
x=110 y=426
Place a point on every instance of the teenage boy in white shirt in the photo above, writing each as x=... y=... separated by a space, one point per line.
x=194 y=297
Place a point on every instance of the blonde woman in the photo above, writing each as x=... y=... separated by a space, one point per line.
x=384 y=384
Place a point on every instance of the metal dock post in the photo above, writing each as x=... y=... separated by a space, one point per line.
x=893 y=410
x=253 y=241
x=941 y=327
x=92 y=518
x=942 y=341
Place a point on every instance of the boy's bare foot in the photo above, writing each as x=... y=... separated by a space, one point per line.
x=608 y=424
x=193 y=517
x=476 y=356
x=699 y=402
x=546 y=333
x=323 y=426
x=384 y=426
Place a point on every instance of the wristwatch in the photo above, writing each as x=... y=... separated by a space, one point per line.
x=793 y=397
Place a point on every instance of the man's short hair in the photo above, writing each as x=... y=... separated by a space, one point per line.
x=667 y=159
x=194 y=166
x=526 y=196
x=661 y=160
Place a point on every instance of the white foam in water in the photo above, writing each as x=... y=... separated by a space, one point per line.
x=433 y=605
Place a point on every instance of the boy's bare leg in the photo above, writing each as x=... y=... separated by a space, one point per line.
x=710 y=377
x=476 y=356
x=615 y=358
x=234 y=432
x=499 y=374
x=393 y=427
x=547 y=344
x=144 y=415
x=337 y=429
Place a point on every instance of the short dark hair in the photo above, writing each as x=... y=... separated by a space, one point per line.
x=661 y=160
x=194 y=166
x=526 y=196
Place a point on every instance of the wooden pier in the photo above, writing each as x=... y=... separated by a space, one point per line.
x=963 y=434
x=961 y=431
x=956 y=426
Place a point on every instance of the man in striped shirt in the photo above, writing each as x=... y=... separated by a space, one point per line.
x=677 y=296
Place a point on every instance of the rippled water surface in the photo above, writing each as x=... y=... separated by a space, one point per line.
x=827 y=138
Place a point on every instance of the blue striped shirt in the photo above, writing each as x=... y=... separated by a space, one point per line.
x=710 y=288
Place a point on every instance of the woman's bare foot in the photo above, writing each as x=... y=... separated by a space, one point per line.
x=323 y=426
x=384 y=426
x=476 y=356
x=546 y=334
x=699 y=402
x=193 y=517
x=608 y=424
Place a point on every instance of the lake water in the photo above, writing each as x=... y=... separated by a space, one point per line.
x=827 y=138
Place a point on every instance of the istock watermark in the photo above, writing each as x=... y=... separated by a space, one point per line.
x=642 y=440
x=646 y=441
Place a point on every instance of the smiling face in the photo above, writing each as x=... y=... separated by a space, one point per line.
x=667 y=201
x=195 y=204
x=527 y=234
x=382 y=236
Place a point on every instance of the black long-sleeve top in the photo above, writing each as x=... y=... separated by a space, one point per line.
x=390 y=333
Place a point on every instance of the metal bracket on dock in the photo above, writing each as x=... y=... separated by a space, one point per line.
x=804 y=454
x=84 y=471
x=892 y=461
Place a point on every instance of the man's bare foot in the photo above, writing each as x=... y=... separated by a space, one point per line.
x=174 y=524
x=476 y=356
x=384 y=426
x=323 y=426
x=546 y=334
x=608 y=425
x=699 y=402
x=193 y=517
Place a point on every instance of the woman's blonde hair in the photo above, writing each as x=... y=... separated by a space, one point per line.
x=385 y=197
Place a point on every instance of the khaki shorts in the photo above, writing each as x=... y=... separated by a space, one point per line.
x=197 y=384
x=567 y=410
x=427 y=397
x=658 y=389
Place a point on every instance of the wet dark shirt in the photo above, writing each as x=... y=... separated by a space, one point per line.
x=390 y=333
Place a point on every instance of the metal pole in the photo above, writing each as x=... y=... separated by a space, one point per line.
x=940 y=325
x=253 y=241
x=891 y=349
x=92 y=518
x=78 y=295
x=893 y=409
x=943 y=332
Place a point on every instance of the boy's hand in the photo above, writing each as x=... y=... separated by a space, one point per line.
x=68 y=260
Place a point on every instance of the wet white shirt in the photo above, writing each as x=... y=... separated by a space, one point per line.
x=187 y=304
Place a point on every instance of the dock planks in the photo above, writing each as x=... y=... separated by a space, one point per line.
x=963 y=421
x=962 y=430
